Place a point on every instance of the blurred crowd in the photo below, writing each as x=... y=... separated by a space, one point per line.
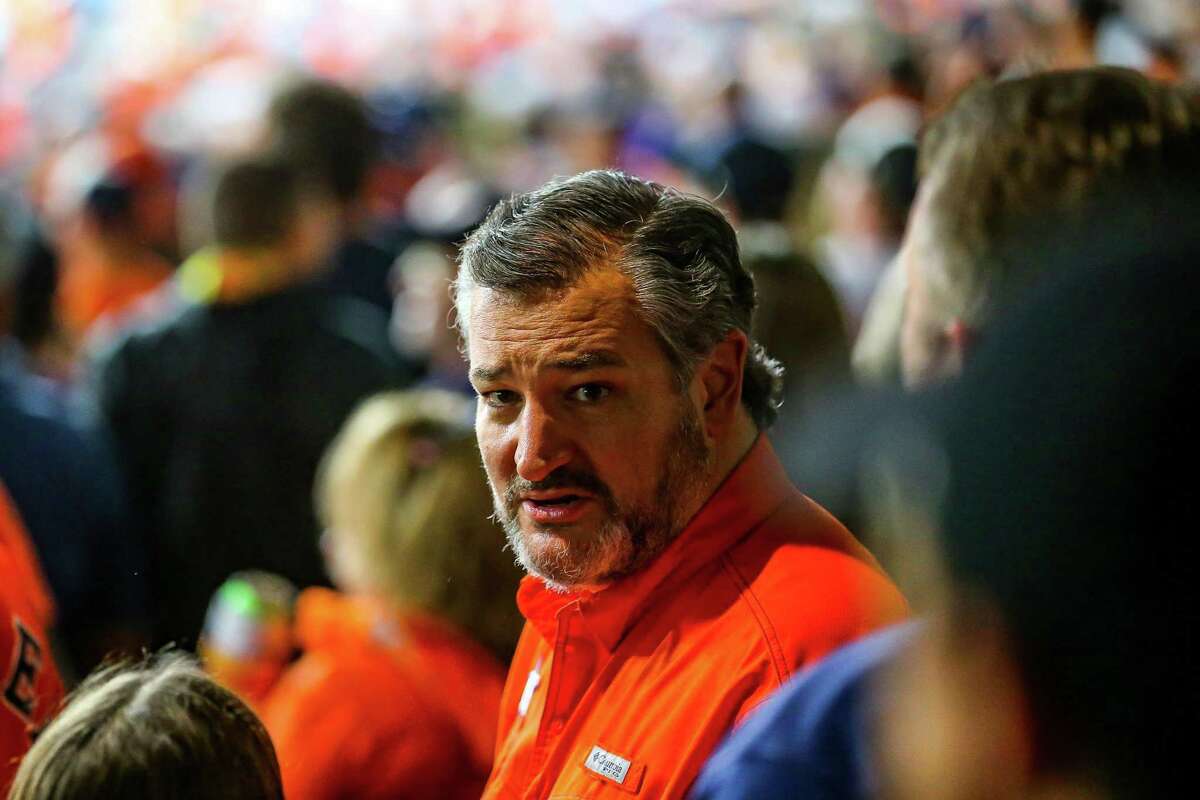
x=800 y=114
x=236 y=418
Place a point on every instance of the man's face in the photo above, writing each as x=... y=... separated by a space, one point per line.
x=595 y=457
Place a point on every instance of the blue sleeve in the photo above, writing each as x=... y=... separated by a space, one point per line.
x=810 y=741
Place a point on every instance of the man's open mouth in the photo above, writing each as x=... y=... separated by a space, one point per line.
x=558 y=501
x=557 y=509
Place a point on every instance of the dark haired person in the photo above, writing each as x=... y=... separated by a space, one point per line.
x=221 y=412
x=327 y=132
x=108 y=265
x=1065 y=660
x=676 y=577
x=60 y=473
x=160 y=730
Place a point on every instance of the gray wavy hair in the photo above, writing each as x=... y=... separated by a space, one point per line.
x=678 y=251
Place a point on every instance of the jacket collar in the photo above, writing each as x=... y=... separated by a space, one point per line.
x=755 y=488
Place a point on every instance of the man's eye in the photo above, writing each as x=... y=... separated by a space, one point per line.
x=590 y=393
x=499 y=398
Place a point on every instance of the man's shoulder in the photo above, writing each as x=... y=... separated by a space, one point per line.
x=325 y=328
x=147 y=339
x=811 y=584
x=791 y=591
x=357 y=323
x=802 y=539
x=130 y=366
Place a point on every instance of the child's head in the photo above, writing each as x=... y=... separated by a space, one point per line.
x=160 y=729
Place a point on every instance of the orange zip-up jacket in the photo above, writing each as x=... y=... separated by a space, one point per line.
x=382 y=705
x=625 y=692
x=30 y=689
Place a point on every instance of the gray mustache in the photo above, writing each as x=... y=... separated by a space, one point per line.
x=561 y=478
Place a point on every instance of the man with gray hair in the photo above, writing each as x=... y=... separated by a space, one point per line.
x=676 y=576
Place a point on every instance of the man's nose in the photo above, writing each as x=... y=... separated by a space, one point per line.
x=543 y=446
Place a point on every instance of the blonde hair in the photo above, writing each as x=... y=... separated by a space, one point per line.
x=402 y=492
x=159 y=729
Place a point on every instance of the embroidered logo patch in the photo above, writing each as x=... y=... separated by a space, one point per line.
x=607 y=764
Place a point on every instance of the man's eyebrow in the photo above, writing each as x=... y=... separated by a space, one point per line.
x=487 y=374
x=584 y=361
x=590 y=360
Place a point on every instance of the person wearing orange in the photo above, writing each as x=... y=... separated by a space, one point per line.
x=676 y=576
x=397 y=691
x=107 y=265
x=30 y=688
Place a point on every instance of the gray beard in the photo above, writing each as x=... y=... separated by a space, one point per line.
x=630 y=538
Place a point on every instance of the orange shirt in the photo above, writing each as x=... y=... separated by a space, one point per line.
x=382 y=706
x=30 y=689
x=626 y=691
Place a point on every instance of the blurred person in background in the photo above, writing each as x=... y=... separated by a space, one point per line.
x=960 y=258
x=1078 y=132
x=221 y=412
x=32 y=320
x=108 y=263
x=1025 y=180
x=1058 y=656
x=440 y=210
x=158 y=729
x=30 y=685
x=876 y=354
x=57 y=463
x=621 y=417
x=799 y=318
x=865 y=188
x=1063 y=662
x=815 y=426
x=326 y=131
x=398 y=686
x=421 y=325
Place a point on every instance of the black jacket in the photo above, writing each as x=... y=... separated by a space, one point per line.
x=221 y=415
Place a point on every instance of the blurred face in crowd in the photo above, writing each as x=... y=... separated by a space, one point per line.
x=420 y=282
x=595 y=456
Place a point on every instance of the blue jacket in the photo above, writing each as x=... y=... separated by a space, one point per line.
x=810 y=741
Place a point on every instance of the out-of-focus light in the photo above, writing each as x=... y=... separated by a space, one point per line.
x=219 y=111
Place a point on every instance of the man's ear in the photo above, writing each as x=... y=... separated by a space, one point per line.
x=960 y=340
x=720 y=382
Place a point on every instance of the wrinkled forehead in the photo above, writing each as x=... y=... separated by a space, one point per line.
x=598 y=289
x=591 y=324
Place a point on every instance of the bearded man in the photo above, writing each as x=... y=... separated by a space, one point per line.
x=676 y=576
